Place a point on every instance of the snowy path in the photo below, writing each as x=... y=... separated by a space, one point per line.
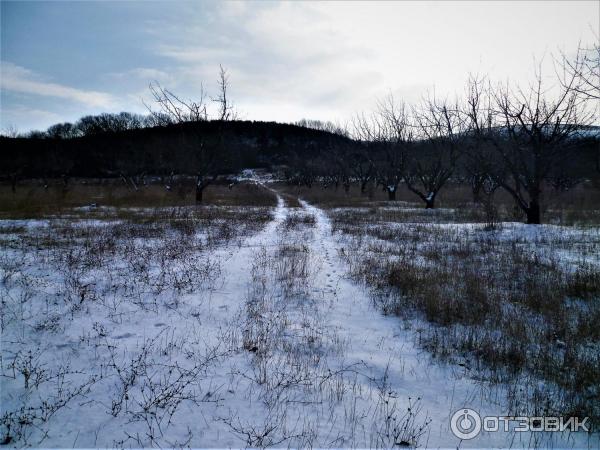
x=381 y=348
x=381 y=342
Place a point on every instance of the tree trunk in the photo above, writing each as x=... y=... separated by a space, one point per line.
x=363 y=187
x=200 y=185
x=65 y=180
x=476 y=189
x=430 y=201
x=534 y=214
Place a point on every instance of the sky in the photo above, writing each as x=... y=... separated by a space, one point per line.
x=286 y=61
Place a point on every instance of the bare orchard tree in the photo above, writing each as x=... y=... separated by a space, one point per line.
x=479 y=120
x=344 y=160
x=172 y=109
x=205 y=163
x=370 y=138
x=303 y=171
x=433 y=158
x=525 y=137
x=539 y=136
x=13 y=170
x=386 y=136
x=361 y=167
x=336 y=169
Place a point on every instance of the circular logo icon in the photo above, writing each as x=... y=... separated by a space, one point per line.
x=465 y=424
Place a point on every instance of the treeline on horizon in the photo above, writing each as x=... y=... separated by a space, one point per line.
x=520 y=140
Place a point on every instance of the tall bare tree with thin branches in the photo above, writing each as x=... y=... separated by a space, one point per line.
x=524 y=136
x=386 y=135
x=172 y=109
x=433 y=159
x=226 y=110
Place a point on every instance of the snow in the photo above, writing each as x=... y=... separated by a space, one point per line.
x=255 y=176
x=329 y=370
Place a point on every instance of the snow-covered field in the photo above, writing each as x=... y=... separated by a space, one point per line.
x=239 y=328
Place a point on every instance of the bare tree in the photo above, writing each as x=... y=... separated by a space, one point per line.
x=479 y=118
x=524 y=137
x=205 y=162
x=433 y=159
x=336 y=169
x=361 y=168
x=11 y=171
x=584 y=70
x=386 y=137
x=10 y=131
x=172 y=109
x=62 y=131
x=226 y=110
x=328 y=126
x=303 y=171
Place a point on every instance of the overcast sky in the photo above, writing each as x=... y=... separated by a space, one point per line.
x=286 y=61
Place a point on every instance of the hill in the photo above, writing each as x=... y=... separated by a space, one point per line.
x=181 y=148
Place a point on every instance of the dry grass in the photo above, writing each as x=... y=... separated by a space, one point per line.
x=106 y=275
x=511 y=305
x=299 y=219
x=579 y=205
x=32 y=199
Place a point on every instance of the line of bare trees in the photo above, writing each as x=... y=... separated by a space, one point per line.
x=518 y=139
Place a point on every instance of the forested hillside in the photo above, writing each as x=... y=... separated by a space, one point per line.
x=177 y=148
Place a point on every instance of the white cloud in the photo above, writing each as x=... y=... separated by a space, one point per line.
x=325 y=60
x=144 y=74
x=26 y=117
x=339 y=57
x=280 y=57
x=19 y=79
